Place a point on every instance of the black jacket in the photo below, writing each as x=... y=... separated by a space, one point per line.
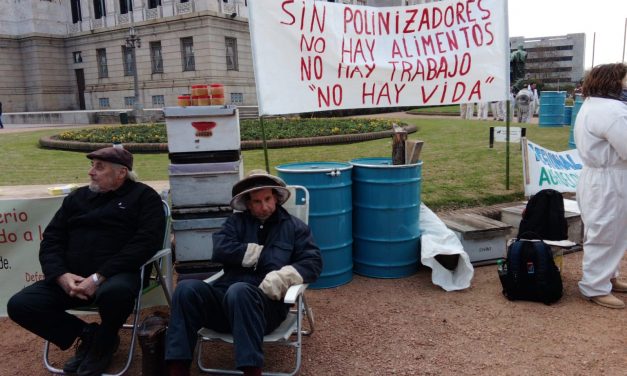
x=108 y=233
x=289 y=243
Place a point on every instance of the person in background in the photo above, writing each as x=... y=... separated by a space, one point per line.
x=462 y=110
x=1 y=125
x=470 y=110
x=482 y=110
x=523 y=108
x=601 y=137
x=264 y=251
x=534 y=105
x=91 y=253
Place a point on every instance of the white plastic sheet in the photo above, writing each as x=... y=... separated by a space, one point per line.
x=437 y=239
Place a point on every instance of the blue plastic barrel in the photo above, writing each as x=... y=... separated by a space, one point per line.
x=552 y=108
x=573 y=118
x=330 y=215
x=568 y=112
x=386 y=213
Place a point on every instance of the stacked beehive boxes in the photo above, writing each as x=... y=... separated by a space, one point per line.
x=205 y=162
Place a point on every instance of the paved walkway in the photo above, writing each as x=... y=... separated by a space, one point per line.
x=18 y=128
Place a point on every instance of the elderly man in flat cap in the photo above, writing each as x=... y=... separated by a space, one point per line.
x=91 y=253
x=264 y=250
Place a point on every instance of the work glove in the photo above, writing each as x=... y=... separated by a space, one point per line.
x=253 y=251
x=276 y=283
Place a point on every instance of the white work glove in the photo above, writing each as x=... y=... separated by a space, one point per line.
x=276 y=283
x=253 y=251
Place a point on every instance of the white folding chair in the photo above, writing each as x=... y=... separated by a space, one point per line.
x=291 y=330
x=162 y=265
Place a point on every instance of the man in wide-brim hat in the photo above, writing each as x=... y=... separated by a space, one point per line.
x=264 y=250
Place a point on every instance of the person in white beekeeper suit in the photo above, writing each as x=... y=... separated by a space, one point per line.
x=523 y=102
x=601 y=137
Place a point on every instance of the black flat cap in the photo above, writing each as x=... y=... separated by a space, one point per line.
x=113 y=154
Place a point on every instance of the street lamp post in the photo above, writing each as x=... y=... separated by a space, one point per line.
x=133 y=41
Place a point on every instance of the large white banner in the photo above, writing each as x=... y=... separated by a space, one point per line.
x=22 y=223
x=544 y=168
x=315 y=56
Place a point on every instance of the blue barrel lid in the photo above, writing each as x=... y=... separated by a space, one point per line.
x=313 y=167
x=380 y=162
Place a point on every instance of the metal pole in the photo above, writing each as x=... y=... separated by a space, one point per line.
x=134 y=42
x=137 y=106
x=594 y=40
x=624 y=38
x=508 y=94
x=265 y=146
x=507 y=113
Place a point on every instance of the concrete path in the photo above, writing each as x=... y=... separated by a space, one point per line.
x=18 y=128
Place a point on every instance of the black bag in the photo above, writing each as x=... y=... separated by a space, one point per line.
x=530 y=273
x=544 y=217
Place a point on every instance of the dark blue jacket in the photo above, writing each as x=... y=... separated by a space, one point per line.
x=289 y=243
x=108 y=233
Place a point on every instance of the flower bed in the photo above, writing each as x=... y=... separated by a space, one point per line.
x=280 y=132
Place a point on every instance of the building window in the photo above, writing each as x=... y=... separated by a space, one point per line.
x=231 y=53
x=127 y=59
x=75 y=5
x=158 y=100
x=126 y=6
x=156 y=59
x=104 y=102
x=184 y=1
x=101 y=58
x=129 y=101
x=78 y=58
x=187 y=53
x=153 y=4
x=237 y=98
x=99 y=9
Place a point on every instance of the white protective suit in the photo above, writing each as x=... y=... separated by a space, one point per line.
x=601 y=137
x=482 y=110
x=523 y=100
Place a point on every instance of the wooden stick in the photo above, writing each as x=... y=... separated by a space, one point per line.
x=398 y=145
x=412 y=151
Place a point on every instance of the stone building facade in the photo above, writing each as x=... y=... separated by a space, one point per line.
x=72 y=54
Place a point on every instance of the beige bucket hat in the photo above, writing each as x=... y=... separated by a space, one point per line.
x=256 y=180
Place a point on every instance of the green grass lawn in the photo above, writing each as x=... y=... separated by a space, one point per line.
x=448 y=109
x=459 y=169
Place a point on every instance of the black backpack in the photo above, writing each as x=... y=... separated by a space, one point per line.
x=543 y=218
x=530 y=273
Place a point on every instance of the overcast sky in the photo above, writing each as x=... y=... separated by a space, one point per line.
x=543 y=18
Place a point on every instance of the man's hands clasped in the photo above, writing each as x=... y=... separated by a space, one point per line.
x=77 y=286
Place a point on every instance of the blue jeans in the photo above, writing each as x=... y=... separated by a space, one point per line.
x=240 y=308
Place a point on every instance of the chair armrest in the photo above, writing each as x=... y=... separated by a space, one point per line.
x=293 y=292
x=162 y=253
x=214 y=277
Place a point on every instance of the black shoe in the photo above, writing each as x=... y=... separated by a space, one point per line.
x=99 y=357
x=82 y=348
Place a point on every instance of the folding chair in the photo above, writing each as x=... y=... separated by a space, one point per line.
x=162 y=264
x=291 y=330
